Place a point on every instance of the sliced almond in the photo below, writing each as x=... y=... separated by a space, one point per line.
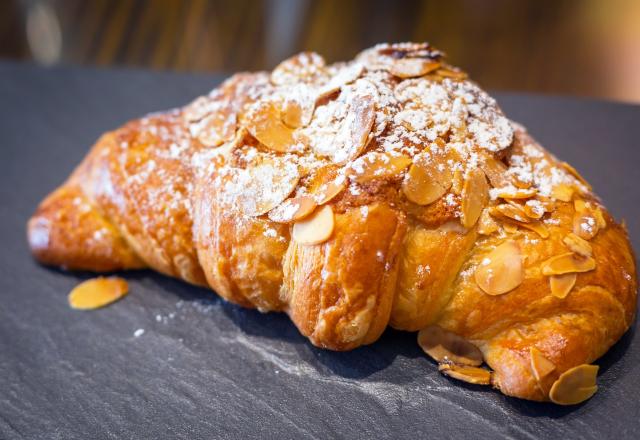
x=575 y=385
x=578 y=245
x=292 y=210
x=375 y=166
x=315 y=229
x=264 y=123
x=97 y=292
x=496 y=172
x=353 y=135
x=260 y=188
x=457 y=182
x=216 y=128
x=534 y=209
x=465 y=373
x=444 y=346
x=561 y=285
x=428 y=179
x=451 y=72
x=567 y=263
x=475 y=196
x=516 y=193
x=328 y=191
x=510 y=227
x=412 y=67
x=540 y=365
x=513 y=212
x=298 y=108
x=297 y=68
x=486 y=224
x=585 y=224
x=562 y=192
x=344 y=76
x=535 y=226
x=501 y=270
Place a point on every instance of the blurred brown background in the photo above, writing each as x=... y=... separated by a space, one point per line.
x=577 y=47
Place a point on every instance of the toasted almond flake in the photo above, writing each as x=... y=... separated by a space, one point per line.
x=486 y=224
x=534 y=209
x=501 y=270
x=510 y=227
x=465 y=373
x=457 y=182
x=451 y=72
x=575 y=385
x=346 y=75
x=516 y=193
x=444 y=346
x=265 y=125
x=328 y=191
x=262 y=187
x=97 y=292
x=541 y=367
x=580 y=205
x=585 y=225
x=217 y=128
x=292 y=210
x=576 y=174
x=496 y=172
x=299 y=67
x=567 y=263
x=578 y=245
x=374 y=166
x=561 y=285
x=428 y=179
x=412 y=67
x=196 y=110
x=562 y=192
x=513 y=212
x=535 y=226
x=297 y=110
x=475 y=196
x=316 y=228
x=353 y=135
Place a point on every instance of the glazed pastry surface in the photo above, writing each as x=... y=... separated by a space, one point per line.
x=387 y=191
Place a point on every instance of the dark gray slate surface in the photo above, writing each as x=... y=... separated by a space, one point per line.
x=206 y=369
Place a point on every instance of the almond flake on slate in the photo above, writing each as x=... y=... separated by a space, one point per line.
x=444 y=346
x=575 y=385
x=465 y=373
x=97 y=292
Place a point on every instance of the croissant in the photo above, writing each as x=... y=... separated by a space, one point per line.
x=386 y=191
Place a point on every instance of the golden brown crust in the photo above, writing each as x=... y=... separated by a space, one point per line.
x=423 y=205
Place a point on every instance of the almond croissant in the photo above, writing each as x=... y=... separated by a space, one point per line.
x=389 y=190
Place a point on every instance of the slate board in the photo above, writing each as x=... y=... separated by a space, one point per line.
x=207 y=369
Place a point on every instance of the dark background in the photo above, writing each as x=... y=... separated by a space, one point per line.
x=575 y=47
